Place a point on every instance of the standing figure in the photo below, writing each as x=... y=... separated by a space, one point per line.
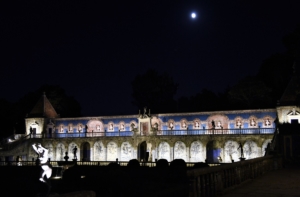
x=213 y=124
x=74 y=152
x=45 y=165
x=242 y=151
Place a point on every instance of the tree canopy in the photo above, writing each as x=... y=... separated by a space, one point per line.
x=154 y=91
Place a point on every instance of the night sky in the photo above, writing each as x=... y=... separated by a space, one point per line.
x=94 y=50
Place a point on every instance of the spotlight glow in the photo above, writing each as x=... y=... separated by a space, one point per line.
x=193 y=15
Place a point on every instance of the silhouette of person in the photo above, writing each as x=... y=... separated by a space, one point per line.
x=213 y=124
x=45 y=165
x=74 y=152
x=242 y=151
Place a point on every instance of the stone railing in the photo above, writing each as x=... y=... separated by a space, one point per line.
x=216 y=180
x=252 y=131
x=90 y=163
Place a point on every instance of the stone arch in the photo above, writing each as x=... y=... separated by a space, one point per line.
x=213 y=151
x=164 y=151
x=197 y=152
x=99 y=151
x=95 y=126
x=180 y=151
x=231 y=151
x=70 y=150
x=264 y=146
x=251 y=150
x=221 y=121
x=60 y=151
x=85 y=151
x=126 y=151
x=112 y=151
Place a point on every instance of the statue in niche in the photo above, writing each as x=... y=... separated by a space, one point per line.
x=252 y=122
x=239 y=123
x=98 y=127
x=197 y=125
x=44 y=163
x=61 y=128
x=267 y=123
x=133 y=127
x=122 y=127
x=183 y=124
x=70 y=128
x=171 y=125
x=80 y=128
x=219 y=125
x=111 y=127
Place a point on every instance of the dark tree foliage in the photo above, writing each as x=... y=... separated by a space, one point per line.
x=276 y=72
x=250 y=93
x=7 y=118
x=14 y=113
x=206 y=100
x=154 y=91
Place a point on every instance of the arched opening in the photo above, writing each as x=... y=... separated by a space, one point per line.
x=212 y=152
x=142 y=154
x=86 y=151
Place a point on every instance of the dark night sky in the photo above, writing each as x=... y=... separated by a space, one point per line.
x=94 y=50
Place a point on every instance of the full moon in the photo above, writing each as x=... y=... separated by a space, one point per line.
x=193 y=15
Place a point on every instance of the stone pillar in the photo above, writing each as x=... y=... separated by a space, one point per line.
x=153 y=155
x=92 y=154
x=119 y=153
x=187 y=154
x=171 y=154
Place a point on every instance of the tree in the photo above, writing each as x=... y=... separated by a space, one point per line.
x=154 y=91
x=249 y=93
x=15 y=113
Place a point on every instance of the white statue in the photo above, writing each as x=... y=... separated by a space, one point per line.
x=43 y=157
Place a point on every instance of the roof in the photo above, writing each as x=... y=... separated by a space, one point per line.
x=43 y=108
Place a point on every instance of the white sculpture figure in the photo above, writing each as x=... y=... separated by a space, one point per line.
x=238 y=123
x=111 y=127
x=268 y=123
x=183 y=124
x=197 y=124
x=43 y=157
x=171 y=125
x=253 y=123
